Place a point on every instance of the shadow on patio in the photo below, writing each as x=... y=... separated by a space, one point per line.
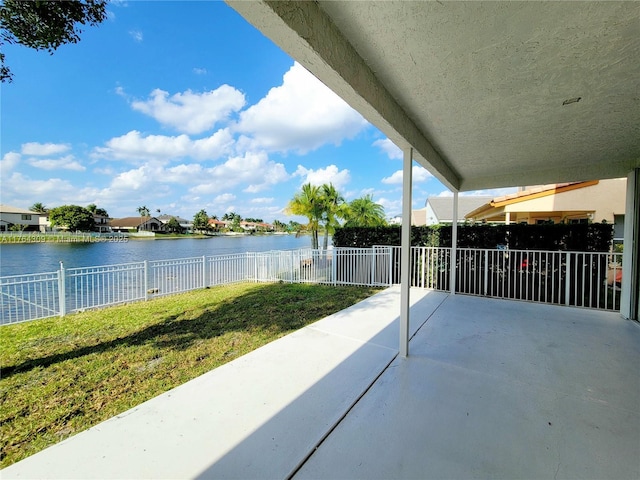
x=492 y=388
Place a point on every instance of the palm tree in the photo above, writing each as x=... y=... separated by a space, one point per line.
x=364 y=212
x=143 y=211
x=38 y=207
x=308 y=203
x=334 y=208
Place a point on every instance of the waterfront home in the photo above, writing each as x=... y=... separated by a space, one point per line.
x=26 y=219
x=140 y=224
x=217 y=225
x=186 y=225
x=256 y=226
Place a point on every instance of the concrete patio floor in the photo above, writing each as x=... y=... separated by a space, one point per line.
x=491 y=389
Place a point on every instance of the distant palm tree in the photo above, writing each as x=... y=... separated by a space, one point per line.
x=38 y=207
x=334 y=208
x=364 y=212
x=143 y=211
x=308 y=203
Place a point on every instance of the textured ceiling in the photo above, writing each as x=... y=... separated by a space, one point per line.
x=477 y=88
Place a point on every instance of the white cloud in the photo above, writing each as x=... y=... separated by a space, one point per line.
x=133 y=180
x=330 y=174
x=136 y=35
x=261 y=200
x=64 y=163
x=135 y=146
x=191 y=112
x=391 y=207
x=254 y=169
x=8 y=163
x=199 y=71
x=302 y=114
x=224 y=198
x=43 y=149
x=390 y=148
x=419 y=174
x=54 y=191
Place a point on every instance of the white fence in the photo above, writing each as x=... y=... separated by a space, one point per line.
x=581 y=279
x=29 y=297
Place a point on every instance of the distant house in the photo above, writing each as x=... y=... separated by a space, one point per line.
x=440 y=209
x=23 y=218
x=140 y=224
x=186 y=225
x=256 y=227
x=575 y=202
x=217 y=225
x=102 y=223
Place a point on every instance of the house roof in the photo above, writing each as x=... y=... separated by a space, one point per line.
x=443 y=206
x=487 y=94
x=4 y=208
x=132 y=222
x=537 y=191
x=180 y=220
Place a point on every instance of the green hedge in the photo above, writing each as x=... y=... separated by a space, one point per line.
x=595 y=237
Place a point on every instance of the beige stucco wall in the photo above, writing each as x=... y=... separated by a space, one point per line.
x=604 y=200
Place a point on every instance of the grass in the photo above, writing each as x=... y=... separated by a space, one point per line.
x=63 y=375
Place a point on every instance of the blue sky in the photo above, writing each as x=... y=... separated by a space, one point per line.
x=182 y=106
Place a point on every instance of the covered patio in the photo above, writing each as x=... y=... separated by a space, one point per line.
x=415 y=383
x=492 y=389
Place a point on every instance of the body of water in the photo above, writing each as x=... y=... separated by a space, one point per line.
x=18 y=259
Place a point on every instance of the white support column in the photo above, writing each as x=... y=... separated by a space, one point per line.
x=405 y=251
x=630 y=295
x=454 y=244
x=507 y=218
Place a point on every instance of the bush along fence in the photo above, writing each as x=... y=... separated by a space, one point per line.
x=584 y=279
x=594 y=237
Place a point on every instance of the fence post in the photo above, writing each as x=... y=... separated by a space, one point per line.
x=204 y=272
x=567 y=279
x=334 y=267
x=255 y=266
x=486 y=272
x=373 y=266
x=62 y=294
x=146 y=280
x=390 y=250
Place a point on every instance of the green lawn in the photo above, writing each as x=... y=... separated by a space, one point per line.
x=62 y=375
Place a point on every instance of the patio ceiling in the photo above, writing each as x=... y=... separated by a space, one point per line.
x=477 y=88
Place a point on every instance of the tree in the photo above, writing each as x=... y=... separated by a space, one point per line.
x=72 y=217
x=38 y=207
x=143 y=211
x=279 y=226
x=235 y=220
x=201 y=221
x=308 y=203
x=334 y=208
x=101 y=212
x=294 y=226
x=45 y=24
x=174 y=226
x=364 y=212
